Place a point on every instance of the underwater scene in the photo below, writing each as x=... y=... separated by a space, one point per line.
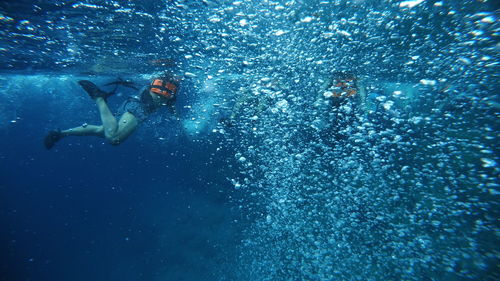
x=157 y=140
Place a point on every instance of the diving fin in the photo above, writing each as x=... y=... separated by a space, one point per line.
x=51 y=138
x=125 y=83
x=94 y=91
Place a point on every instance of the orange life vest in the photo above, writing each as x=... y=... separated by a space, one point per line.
x=164 y=88
x=347 y=88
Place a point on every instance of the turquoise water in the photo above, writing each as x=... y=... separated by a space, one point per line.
x=265 y=175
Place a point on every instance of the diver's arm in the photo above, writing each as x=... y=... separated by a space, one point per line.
x=363 y=100
x=362 y=89
x=236 y=109
x=324 y=87
x=243 y=95
x=320 y=97
x=326 y=84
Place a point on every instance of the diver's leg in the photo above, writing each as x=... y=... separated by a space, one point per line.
x=108 y=119
x=126 y=126
x=84 y=130
x=115 y=132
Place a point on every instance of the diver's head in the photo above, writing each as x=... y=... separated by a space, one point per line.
x=344 y=75
x=164 y=87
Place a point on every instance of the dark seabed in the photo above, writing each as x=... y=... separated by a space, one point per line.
x=315 y=140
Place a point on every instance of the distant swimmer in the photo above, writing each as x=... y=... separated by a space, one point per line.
x=340 y=101
x=161 y=92
x=342 y=86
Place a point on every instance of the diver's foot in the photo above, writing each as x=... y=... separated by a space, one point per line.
x=94 y=91
x=51 y=139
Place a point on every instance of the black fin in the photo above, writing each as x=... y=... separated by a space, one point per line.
x=122 y=82
x=94 y=91
x=51 y=138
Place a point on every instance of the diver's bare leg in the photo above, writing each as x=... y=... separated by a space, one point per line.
x=109 y=126
x=108 y=119
x=115 y=132
x=84 y=130
x=127 y=125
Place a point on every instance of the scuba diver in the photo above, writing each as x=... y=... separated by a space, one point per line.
x=342 y=86
x=340 y=101
x=161 y=92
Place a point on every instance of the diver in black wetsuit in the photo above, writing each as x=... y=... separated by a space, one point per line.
x=162 y=91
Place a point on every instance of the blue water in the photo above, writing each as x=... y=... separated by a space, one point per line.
x=264 y=176
x=88 y=211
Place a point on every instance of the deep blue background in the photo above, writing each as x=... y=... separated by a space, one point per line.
x=86 y=210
